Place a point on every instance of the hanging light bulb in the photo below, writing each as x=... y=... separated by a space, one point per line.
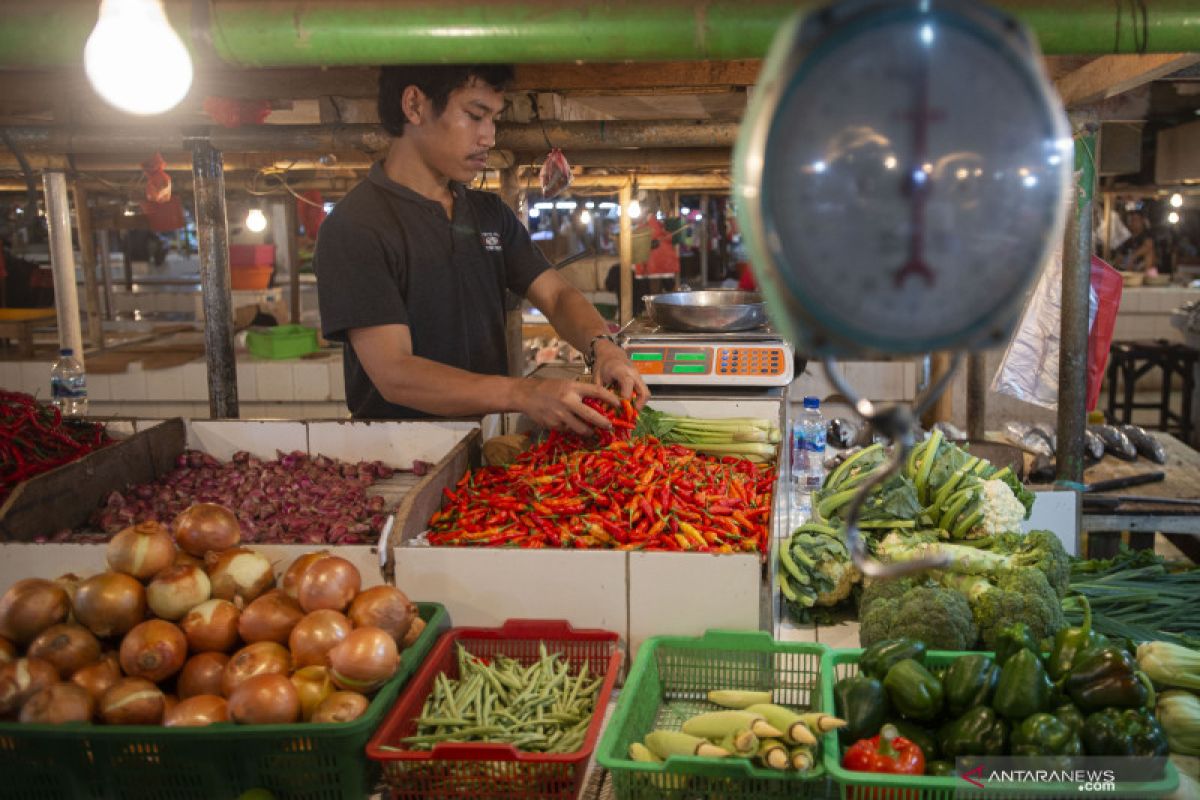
x=635 y=209
x=1176 y=200
x=1173 y=218
x=256 y=220
x=586 y=217
x=135 y=60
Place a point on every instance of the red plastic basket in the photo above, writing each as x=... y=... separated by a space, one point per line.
x=486 y=771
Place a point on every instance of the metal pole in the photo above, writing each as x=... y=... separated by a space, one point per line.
x=106 y=271
x=943 y=407
x=1073 y=347
x=62 y=261
x=87 y=254
x=283 y=233
x=626 y=230
x=209 y=178
x=702 y=240
x=976 y=397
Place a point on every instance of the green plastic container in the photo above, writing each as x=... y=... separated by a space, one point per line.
x=283 y=341
x=670 y=681
x=838 y=664
x=143 y=762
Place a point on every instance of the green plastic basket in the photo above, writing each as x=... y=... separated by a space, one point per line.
x=669 y=682
x=143 y=762
x=283 y=341
x=838 y=664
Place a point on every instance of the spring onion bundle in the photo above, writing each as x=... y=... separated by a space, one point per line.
x=754 y=438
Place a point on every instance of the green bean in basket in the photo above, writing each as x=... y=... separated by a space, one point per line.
x=544 y=707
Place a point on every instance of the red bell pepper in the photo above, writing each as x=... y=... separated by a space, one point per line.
x=888 y=753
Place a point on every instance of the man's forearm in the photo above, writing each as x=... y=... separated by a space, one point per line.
x=443 y=390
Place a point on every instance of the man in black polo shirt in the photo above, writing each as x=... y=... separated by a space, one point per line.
x=412 y=267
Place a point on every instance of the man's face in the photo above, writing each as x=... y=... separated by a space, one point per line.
x=456 y=143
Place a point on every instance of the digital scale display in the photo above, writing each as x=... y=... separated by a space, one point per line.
x=759 y=364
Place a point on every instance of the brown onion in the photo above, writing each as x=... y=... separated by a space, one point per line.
x=328 y=583
x=68 y=647
x=265 y=700
x=141 y=550
x=21 y=680
x=341 y=707
x=313 y=684
x=154 y=650
x=133 y=701
x=260 y=658
x=202 y=674
x=269 y=618
x=197 y=711
x=169 y=702
x=239 y=573
x=187 y=559
x=206 y=527
x=8 y=651
x=59 y=703
x=212 y=625
x=414 y=632
x=384 y=607
x=99 y=676
x=30 y=606
x=290 y=583
x=110 y=604
x=70 y=584
x=177 y=590
x=364 y=660
x=315 y=635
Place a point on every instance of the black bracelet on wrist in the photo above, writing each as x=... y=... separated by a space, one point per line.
x=589 y=357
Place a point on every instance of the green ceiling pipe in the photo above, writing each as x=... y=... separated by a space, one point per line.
x=278 y=33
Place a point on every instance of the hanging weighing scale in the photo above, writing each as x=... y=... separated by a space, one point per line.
x=900 y=177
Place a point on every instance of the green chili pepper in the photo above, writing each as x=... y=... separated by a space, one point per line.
x=1071 y=643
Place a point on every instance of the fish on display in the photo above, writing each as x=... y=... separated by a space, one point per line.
x=1145 y=443
x=1027 y=437
x=1093 y=445
x=1115 y=442
x=1047 y=433
x=841 y=433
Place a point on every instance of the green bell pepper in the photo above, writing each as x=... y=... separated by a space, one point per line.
x=1023 y=688
x=1124 y=732
x=939 y=769
x=863 y=703
x=918 y=735
x=1071 y=643
x=1012 y=639
x=1045 y=735
x=1070 y=715
x=877 y=659
x=1104 y=677
x=913 y=691
x=979 y=732
x=969 y=681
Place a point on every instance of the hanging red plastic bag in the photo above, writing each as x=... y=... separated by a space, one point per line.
x=158 y=182
x=1106 y=285
x=556 y=174
x=310 y=209
x=164 y=217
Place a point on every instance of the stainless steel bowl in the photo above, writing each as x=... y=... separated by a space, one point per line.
x=709 y=311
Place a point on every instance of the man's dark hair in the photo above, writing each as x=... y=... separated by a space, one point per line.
x=437 y=82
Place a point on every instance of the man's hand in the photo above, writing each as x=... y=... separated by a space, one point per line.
x=613 y=367
x=558 y=404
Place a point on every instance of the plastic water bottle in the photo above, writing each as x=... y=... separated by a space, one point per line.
x=812 y=436
x=68 y=384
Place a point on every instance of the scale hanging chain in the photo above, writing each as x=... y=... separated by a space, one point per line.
x=898 y=424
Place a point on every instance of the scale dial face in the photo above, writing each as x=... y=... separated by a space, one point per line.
x=912 y=165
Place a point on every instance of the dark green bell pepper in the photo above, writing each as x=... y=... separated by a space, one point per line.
x=1070 y=715
x=920 y=736
x=1012 y=639
x=939 y=769
x=1023 y=688
x=1103 y=677
x=1071 y=643
x=1124 y=732
x=913 y=691
x=1045 y=735
x=979 y=732
x=877 y=659
x=863 y=703
x=969 y=681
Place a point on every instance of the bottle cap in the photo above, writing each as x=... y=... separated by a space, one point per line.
x=811 y=402
x=66 y=351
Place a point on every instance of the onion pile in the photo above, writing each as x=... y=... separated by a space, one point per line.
x=158 y=649
x=293 y=499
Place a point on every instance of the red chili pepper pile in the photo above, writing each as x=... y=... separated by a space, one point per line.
x=620 y=492
x=35 y=438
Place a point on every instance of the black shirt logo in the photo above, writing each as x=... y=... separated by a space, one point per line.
x=491 y=242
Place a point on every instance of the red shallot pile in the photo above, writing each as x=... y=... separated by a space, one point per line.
x=294 y=499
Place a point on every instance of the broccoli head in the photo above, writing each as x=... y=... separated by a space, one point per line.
x=1041 y=549
x=934 y=614
x=1021 y=594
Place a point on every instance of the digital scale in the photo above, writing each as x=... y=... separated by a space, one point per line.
x=758 y=357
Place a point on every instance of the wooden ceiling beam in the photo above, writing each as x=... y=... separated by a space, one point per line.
x=1112 y=75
